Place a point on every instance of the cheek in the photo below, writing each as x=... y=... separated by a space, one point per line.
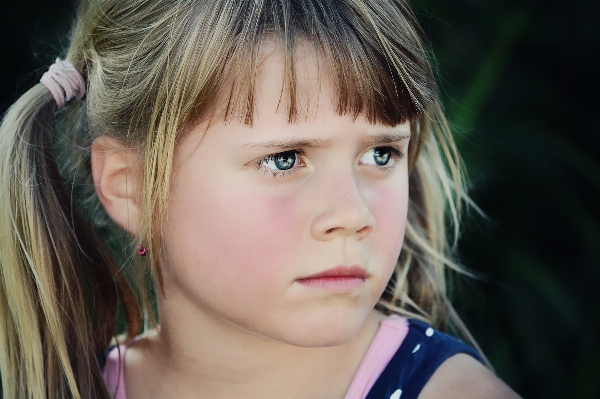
x=389 y=207
x=233 y=236
x=260 y=236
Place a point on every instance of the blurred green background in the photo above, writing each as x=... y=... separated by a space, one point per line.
x=519 y=80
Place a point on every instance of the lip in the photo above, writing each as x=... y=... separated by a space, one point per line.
x=340 y=279
x=340 y=271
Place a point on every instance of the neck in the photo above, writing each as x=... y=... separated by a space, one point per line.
x=210 y=355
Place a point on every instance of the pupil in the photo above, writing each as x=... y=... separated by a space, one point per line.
x=285 y=160
x=382 y=157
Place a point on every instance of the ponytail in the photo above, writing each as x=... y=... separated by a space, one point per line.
x=59 y=286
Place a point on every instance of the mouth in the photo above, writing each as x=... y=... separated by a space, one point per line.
x=339 y=279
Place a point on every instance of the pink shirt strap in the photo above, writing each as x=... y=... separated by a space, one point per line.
x=388 y=339
x=114 y=371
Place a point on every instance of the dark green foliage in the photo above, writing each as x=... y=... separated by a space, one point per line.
x=520 y=85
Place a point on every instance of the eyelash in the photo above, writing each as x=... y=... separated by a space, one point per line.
x=396 y=155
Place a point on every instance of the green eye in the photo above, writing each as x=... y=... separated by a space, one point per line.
x=281 y=161
x=380 y=156
x=281 y=164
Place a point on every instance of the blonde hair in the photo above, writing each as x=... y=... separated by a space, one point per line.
x=153 y=68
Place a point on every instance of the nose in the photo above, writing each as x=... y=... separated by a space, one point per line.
x=343 y=211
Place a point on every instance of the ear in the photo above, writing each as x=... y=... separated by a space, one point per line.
x=117 y=175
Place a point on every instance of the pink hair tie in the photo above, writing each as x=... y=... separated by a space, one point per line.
x=64 y=82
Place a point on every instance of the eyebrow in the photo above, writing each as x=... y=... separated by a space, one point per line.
x=318 y=143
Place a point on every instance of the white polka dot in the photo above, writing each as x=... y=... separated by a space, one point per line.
x=416 y=348
x=429 y=332
x=396 y=394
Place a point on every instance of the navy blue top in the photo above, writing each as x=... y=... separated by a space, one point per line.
x=420 y=354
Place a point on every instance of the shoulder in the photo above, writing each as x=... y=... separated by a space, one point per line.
x=461 y=376
x=432 y=364
x=452 y=369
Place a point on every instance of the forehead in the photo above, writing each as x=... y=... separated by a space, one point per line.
x=313 y=89
x=315 y=94
x=271 y=89
x=271 y=131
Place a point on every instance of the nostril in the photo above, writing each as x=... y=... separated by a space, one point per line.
x=363 y=230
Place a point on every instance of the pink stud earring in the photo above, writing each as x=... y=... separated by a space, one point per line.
x=142 y=251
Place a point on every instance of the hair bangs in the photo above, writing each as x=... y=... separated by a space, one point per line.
x=379 y=67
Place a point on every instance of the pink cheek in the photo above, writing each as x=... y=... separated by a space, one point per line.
x=389 y=207
x=245 y=235
x=266 y=237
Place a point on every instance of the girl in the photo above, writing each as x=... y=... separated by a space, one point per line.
x=281 y=172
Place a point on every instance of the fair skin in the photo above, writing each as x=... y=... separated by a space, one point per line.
x=237 y=318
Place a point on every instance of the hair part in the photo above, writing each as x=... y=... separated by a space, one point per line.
x=153 y=69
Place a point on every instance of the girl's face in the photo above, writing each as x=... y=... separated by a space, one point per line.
x=255 y=210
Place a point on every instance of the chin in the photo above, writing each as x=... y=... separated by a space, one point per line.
x=323 y=331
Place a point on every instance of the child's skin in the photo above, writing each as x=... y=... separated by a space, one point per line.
x=236 y=320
